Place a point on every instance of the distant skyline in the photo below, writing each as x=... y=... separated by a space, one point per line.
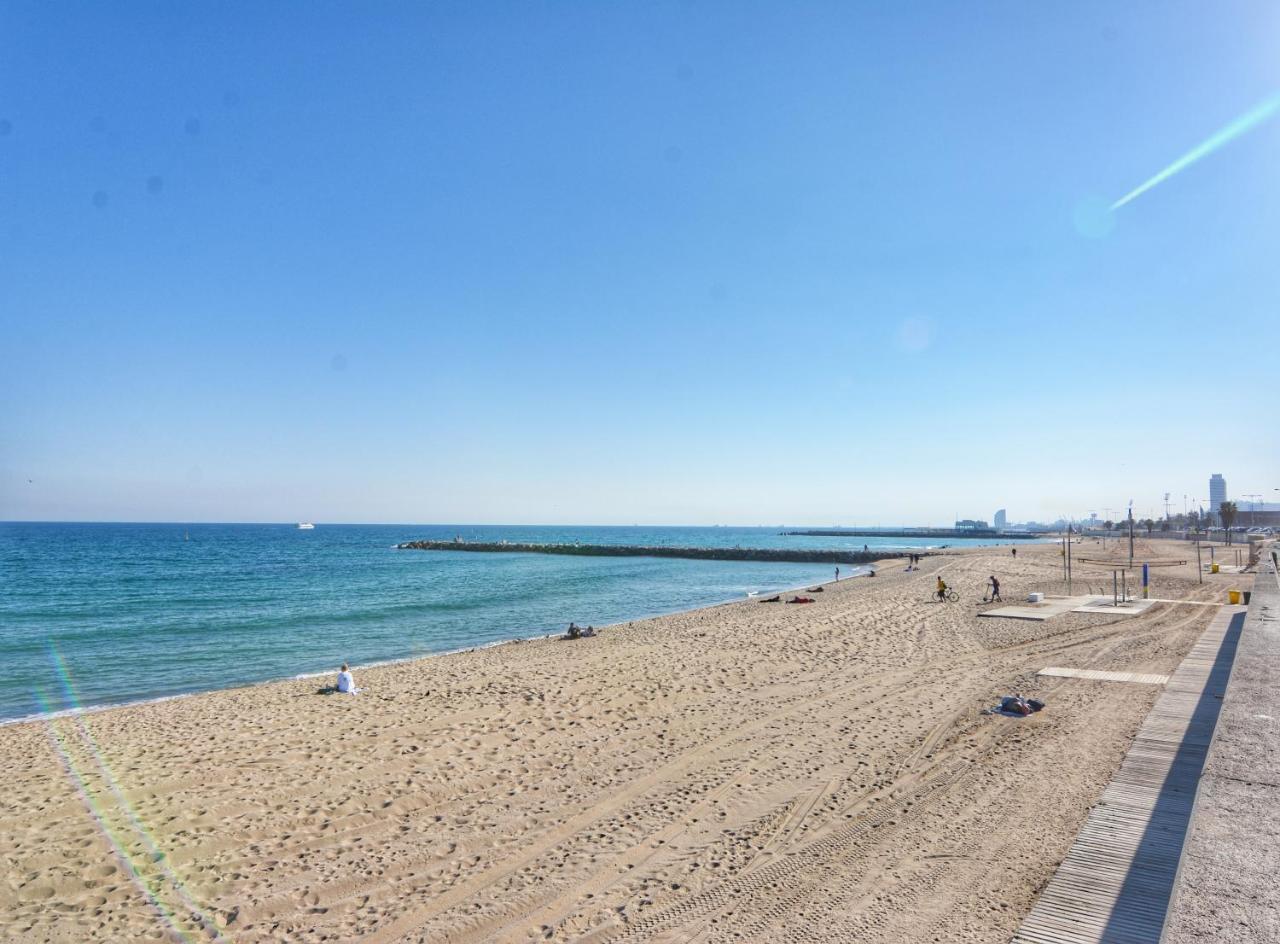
x=673 y=263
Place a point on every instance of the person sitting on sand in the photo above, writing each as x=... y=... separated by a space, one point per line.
x=573 y=633
x=995 y=590
x=587 y=633
x=346 y=684
x=942 y=589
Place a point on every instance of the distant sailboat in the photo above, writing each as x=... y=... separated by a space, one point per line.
x=186 y=535
x=306 y=526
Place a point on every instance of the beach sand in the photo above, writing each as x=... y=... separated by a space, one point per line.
x=747 y=772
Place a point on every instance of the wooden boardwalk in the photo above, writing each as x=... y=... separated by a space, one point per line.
x=1116 y=882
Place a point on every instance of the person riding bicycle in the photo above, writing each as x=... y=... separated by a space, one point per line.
x=942 y=589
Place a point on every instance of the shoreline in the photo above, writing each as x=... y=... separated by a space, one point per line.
x=43 y=717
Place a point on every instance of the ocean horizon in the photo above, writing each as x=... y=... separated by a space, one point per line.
x=95 y=614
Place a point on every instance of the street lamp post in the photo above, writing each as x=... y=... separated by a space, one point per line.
x=1253 y=508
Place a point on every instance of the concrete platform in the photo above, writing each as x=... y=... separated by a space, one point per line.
x=1056 y=606
x=1107 y=605
x=1227 y=885
x=1049 y=608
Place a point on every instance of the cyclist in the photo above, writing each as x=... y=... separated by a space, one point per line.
x=942 y=590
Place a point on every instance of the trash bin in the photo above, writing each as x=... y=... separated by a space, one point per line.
x=1234 y=597
x=1247 y=595
x=1213 y=568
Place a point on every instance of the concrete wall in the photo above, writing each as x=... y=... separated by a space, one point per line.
x=1229 y=879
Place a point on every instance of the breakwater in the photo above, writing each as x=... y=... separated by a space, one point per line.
x=796 y=556
x=919 y=533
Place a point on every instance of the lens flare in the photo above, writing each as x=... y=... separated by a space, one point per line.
x=146 y=866
x=1246 y=122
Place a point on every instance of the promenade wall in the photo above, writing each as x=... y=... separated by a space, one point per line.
x=1228 y=886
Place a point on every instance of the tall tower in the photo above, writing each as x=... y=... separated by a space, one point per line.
x=1000 y=520
x=1217 y=493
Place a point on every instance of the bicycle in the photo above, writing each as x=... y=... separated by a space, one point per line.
x=946 y=596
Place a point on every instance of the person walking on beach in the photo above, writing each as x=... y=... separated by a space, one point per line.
x=346 y=684
x=1015 y=551
x=995 y=590
x=837 y=573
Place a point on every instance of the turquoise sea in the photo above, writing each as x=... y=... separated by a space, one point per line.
x=99 y=614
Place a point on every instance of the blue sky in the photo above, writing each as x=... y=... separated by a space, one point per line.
x=658 y=263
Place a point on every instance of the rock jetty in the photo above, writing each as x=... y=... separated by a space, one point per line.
x=797 y=555
x=922 y=533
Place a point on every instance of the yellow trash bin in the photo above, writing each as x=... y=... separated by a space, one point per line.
x=1213 y=568
x=1234 y=597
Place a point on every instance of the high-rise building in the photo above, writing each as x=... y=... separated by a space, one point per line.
x=1000 y=520
x=1217 y=493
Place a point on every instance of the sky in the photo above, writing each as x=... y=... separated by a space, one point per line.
x=659 y=263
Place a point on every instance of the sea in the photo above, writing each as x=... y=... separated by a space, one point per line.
x=93 y=615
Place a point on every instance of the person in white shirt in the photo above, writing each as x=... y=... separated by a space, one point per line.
x=346 y=684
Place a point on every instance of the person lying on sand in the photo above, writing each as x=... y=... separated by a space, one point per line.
x=772 y=600
x=588 y=632
x=346 y=684
x=1016 y=704
x=801 y=600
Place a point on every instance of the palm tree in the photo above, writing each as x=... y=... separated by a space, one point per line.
x=1227 y=512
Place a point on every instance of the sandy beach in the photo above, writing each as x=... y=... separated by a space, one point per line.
x=747 y=772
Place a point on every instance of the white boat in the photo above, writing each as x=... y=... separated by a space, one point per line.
x=306 y=526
